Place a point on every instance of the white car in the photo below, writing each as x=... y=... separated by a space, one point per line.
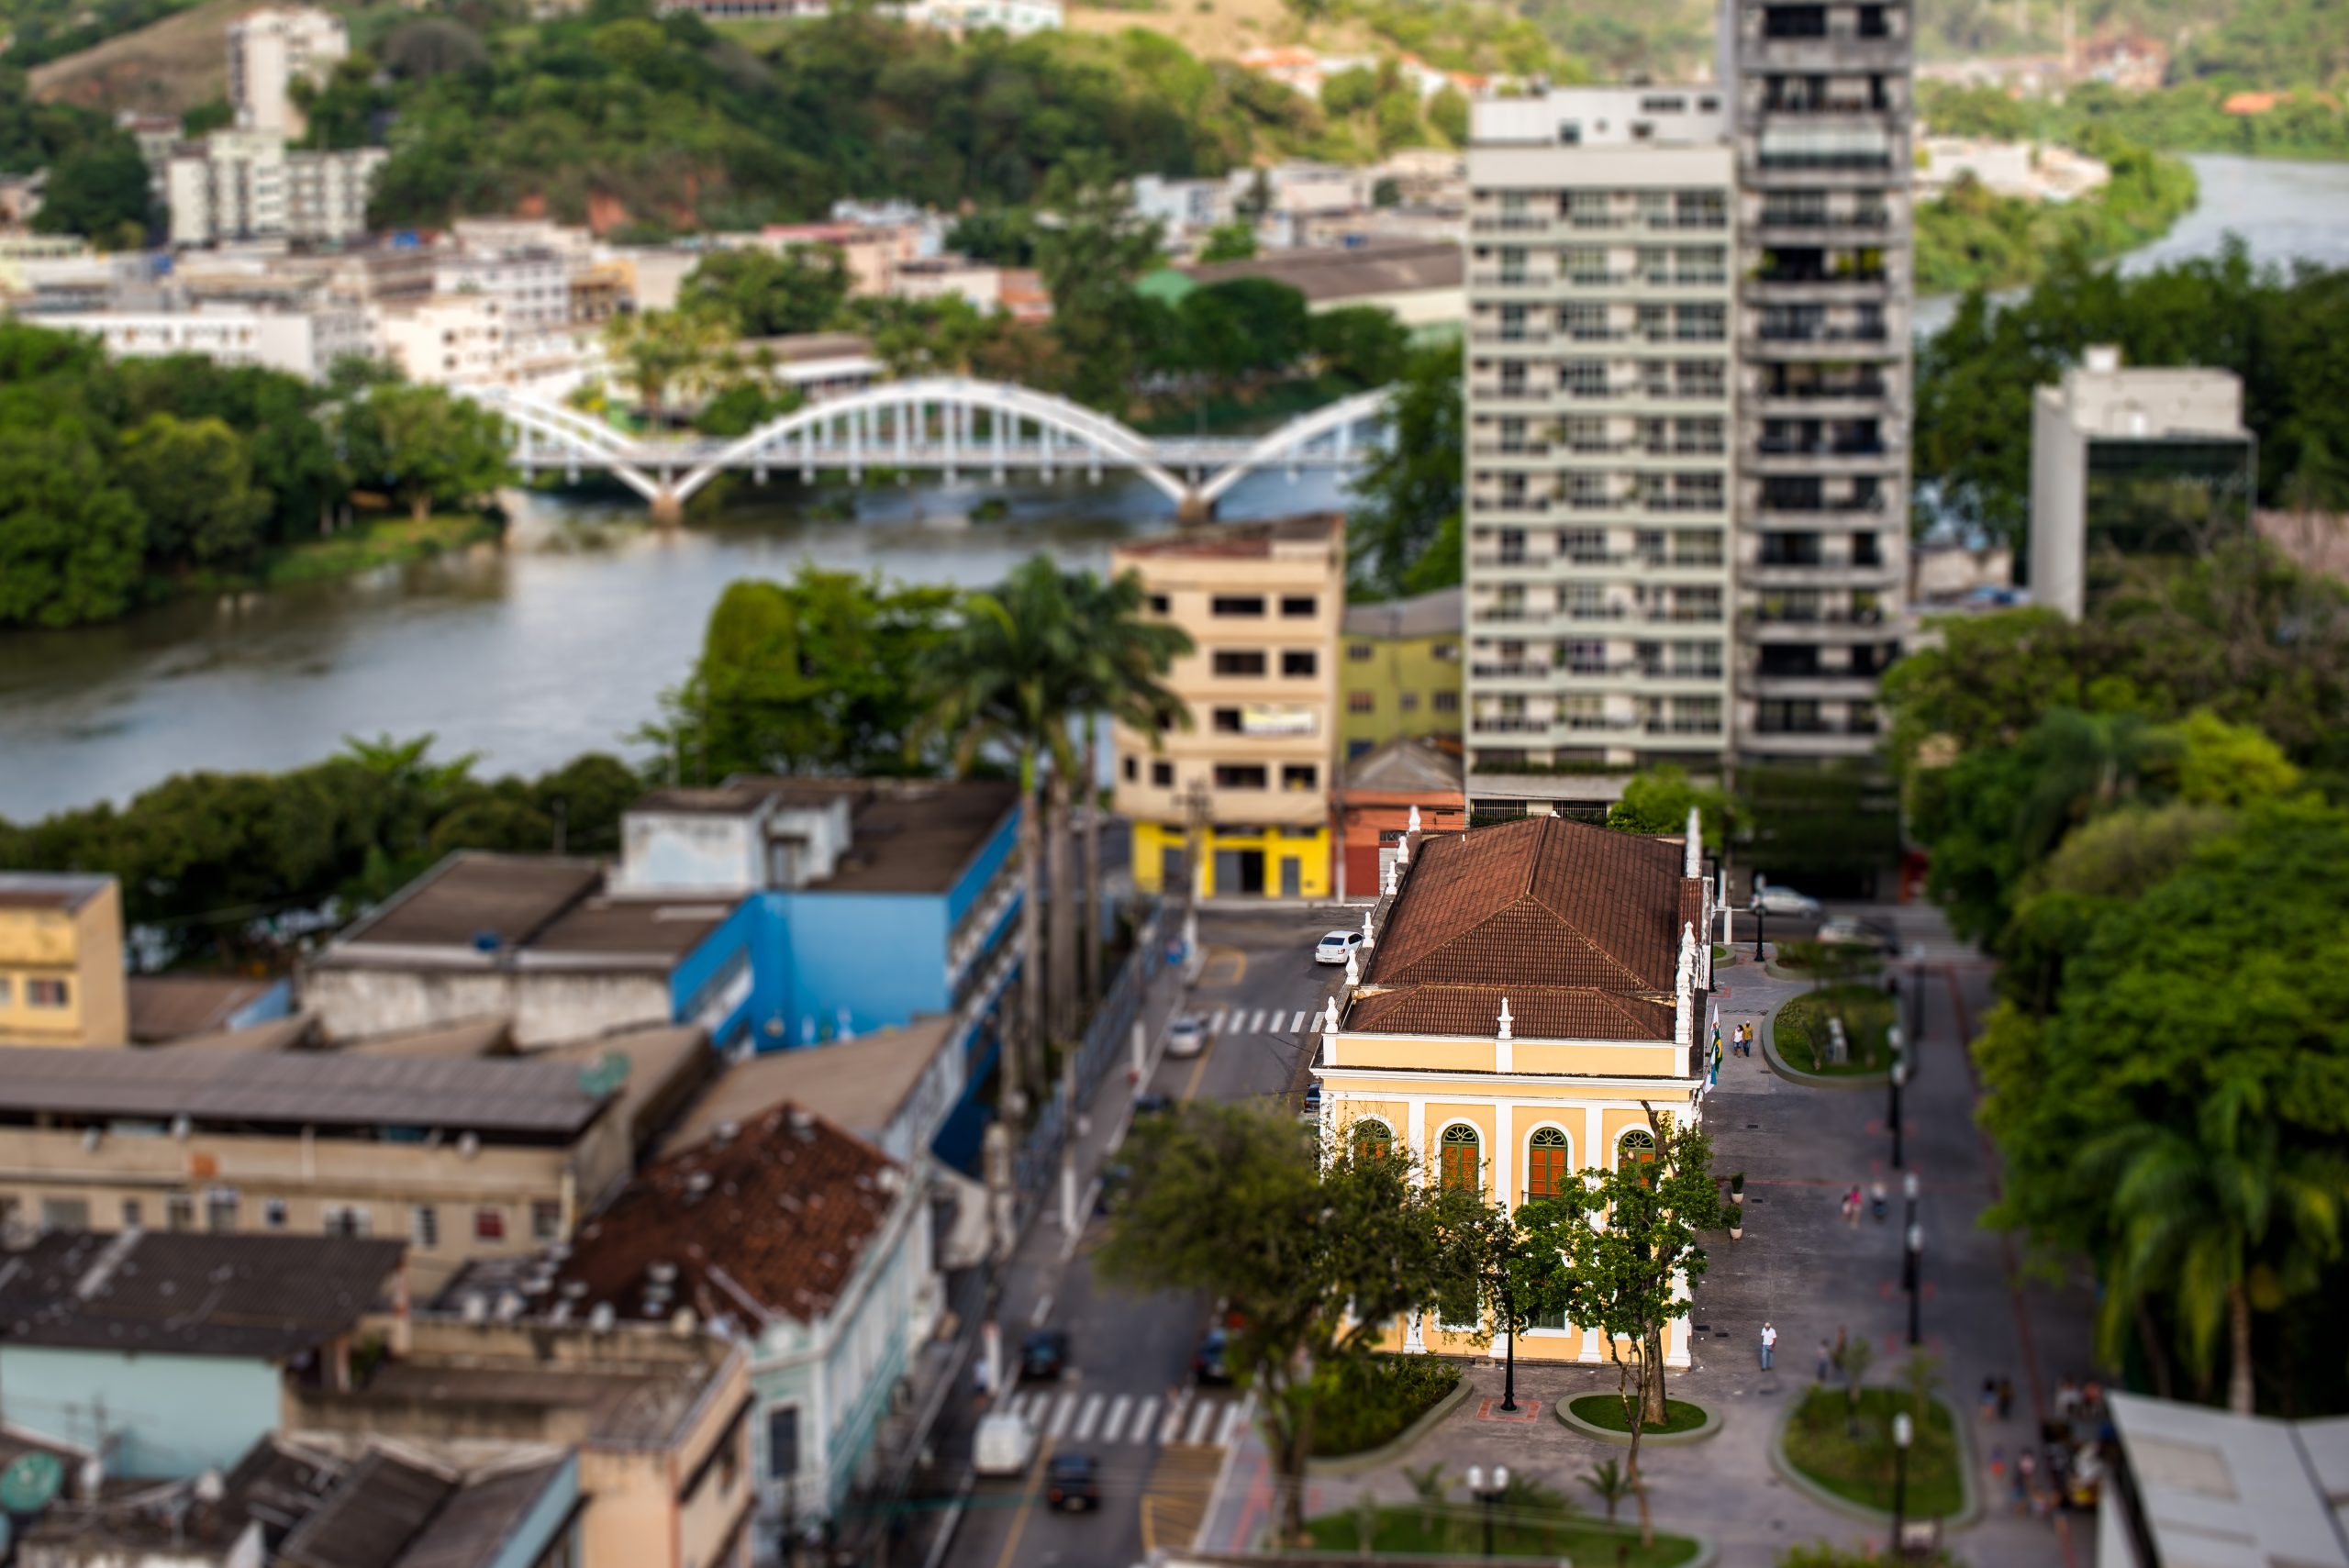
x=1003 y=1444
x=1338 y=947
x=1186 y=1036
x=1843 y=931
x=1772 y=899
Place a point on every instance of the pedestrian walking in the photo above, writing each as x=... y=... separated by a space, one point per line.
x=1826 y=1360
x=1749 y=1040
x=2026 y=1472
x=1769 y=1342
x=2006 y=1398
x=1878 y=1197
x=1989 y=1403
x=1997 y=1463
x=1852 y=1216
x=2067 y=1399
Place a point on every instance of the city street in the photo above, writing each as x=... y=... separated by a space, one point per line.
x=1127 y=1397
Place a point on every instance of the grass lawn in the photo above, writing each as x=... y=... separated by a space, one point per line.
x=1607 y=1410
x=1372 y=1402
x=1458 y=1530
x=1801 y=1029
x=384 y=541
x=1821 y=1444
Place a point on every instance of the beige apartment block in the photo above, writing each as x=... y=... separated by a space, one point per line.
x=60 y=960
x=1263 y=604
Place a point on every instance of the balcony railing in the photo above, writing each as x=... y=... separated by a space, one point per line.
x=1817 y=726
x=1509 y=725
x=1805 y=218
x=1780 y=446
x=1782 y=333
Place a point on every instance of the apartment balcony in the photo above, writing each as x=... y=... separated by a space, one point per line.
x=1527 y=225
x=1502 y=449
x=1677 y=678
x=1502 y=336
x=1771 y=232
x=1513 y=285
x=1514 y=677
x=1508 y=724
x=1768 y=288
x=1842 y=52
x=1825 y=402
x=1837 y=569
x=1529 y=398
x=1819 y=627
x=1509 y=508
x=1840 y=742
x=1831 y=685
x=1826 y=460
x=1839 y=345
x=1848 y=516
x=1873 y=176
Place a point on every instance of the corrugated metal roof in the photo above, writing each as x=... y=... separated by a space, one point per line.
x=298 y=1087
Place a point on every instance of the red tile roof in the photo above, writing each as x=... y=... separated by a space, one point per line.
x=766 y=1224
x=1544 y=901
x=1536 y=1012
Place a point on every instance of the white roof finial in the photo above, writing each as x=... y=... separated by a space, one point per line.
x=1506 y=1021
x=1353 y=968
x=1403 y=853
x=1390 y=879
x=1415 y=816
x=1693 y=862
x=1369 y=937
x=1329 y=1017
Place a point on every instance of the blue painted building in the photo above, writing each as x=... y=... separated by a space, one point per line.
x=162 y=1351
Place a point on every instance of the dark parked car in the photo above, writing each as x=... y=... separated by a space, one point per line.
x=1073 y=1482
x=1043 y=1353
x=1153 y=1104
x=1208 y=1364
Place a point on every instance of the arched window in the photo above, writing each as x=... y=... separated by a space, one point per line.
x=1373 y=1138
x=1546 y=1163
x=1636 y=1147
x=1461 y=1158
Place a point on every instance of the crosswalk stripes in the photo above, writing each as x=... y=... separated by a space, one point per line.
x=1076 y=1419
x=1259 y=1021
x=1297 y=1024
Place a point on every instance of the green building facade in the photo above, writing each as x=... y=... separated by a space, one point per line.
x=1399 y=671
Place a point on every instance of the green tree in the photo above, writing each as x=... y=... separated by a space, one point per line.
x=100 y=191
x=1234 y=241
x=817 y=675
x=1657 y=800
x=71 y=538
x=1448 y=113
x=193 y=479
x=1350 y=92
x=1620 y=1275
x=1318 y=1259
x=437 y=449
x=1407 y=501
x=1365 y=343
x=1089 y=252
x=662 y=352
x=1122 y=674
x=1609 y=1482
x=1001 y=677
x=769 y=294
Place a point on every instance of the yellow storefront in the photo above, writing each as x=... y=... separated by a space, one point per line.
x=1274 y=862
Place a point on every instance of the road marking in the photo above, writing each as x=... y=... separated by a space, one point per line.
x=1115 y=1418
x=1201 y=1414
x=1235 y=1417
x=1088 y=1419
x=1215 y=1025
x=1297 y=1024
x=1172 y=1427
x=1199 y=1071
x=1027 y=1506
x=1061 y=1413
x=1043 y=1310
x=1145 y=1408
x=1256 y=1025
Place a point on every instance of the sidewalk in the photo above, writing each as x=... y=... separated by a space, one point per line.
x=1811 y=1276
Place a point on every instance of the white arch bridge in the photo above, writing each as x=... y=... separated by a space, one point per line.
x=947 y=424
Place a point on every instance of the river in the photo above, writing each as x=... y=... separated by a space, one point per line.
x=562 y=641
x=558 y=643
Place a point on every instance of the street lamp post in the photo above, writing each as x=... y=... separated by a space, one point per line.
x=1509 y=1377
x=1899 y=1077
x=1909 y=1191
x=1756 y=901
x=1903 y=1431
x=1910 y=1270
x=1490 y=1495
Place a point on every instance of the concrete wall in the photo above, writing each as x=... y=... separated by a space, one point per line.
x=2059 y=491
x=81 y=947
x=547 y=1522
x=675 y=850
x=549 y=1006
x=153 y=1417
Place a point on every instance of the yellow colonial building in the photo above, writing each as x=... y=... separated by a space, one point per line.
x=1531 y=992
x=61 y=961
x=1263 y=603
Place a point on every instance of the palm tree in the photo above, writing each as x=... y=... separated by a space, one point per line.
x=1126 y=659
x=1000 y=678
x=2218 y=1223
x=2089 y=762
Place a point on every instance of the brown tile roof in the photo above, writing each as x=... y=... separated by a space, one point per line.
x=1536 y=1012
x=170 y=1007
x=1544 y=901
x=768 y=1224
x=471 y=896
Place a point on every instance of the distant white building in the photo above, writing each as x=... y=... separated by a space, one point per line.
x=269 y=50
x=299 y=342
x=244 y=184
x=1018 y=18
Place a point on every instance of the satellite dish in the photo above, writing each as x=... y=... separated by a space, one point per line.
x=31 y=1482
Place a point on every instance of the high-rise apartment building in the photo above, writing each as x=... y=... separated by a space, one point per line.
x=1689 y=373
x=269 y=50
x=1821 y=97
x=1600 y=428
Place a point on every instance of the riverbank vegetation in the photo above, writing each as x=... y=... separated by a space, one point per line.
x=1972 y=237
x=97 y=184
x=2279 y=330
x=122 y=483
x=2141 y=815
x=2291 y=121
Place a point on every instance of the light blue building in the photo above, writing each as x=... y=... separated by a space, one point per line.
x=162 y=1351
